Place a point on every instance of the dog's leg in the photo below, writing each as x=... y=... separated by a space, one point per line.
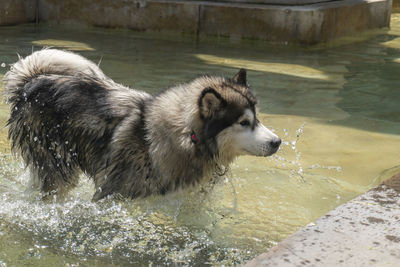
x=53 y=182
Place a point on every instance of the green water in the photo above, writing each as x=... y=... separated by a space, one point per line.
x=336 y=109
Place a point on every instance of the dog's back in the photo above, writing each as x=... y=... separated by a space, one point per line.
x=47 y=62
x=63 y=114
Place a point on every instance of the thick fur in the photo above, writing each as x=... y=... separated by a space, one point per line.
x=68 y=117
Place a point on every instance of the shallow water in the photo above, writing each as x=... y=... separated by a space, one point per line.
x=336 y=109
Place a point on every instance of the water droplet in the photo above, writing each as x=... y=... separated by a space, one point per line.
x=35 y=138
x=300 y=170
x=3 y=65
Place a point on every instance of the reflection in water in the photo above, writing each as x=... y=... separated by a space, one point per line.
x=395 y=43
x=280 y=68
x=70 y=45
x=337 y=113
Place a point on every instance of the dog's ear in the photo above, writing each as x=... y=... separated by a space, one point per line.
x=210 y=101
x=240 y=77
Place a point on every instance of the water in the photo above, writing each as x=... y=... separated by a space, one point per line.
x=336 y=109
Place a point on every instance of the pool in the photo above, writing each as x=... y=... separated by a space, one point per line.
x=335 y=107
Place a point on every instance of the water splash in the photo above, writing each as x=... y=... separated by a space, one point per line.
x=147 y=230
x=318 y=166
x=296 y=168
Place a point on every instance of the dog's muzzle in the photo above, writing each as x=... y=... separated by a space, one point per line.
x=274 y=145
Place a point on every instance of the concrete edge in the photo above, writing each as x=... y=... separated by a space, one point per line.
x=310 y=24
x=362 y=232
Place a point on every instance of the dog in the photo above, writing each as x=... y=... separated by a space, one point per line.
x=68 y=117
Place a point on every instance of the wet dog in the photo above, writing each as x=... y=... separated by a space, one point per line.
x=67 y=117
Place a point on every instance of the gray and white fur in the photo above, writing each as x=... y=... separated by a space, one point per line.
x=67 y=117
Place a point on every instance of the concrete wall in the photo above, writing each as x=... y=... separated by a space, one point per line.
x=294 y=21
x=305 y=24
x=17 y=11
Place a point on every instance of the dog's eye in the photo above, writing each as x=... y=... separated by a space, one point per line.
x=245 y=123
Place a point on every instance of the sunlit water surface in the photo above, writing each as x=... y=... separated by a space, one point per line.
x=336 y=109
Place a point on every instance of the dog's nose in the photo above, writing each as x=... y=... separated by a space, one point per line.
x=275 y=143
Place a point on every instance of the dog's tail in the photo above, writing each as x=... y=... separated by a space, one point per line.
x=47 y=62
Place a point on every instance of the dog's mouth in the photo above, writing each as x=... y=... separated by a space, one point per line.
x=272 y=151
x=264 y=152
x=269 y=153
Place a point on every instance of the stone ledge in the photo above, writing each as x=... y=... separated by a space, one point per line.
x=306 y=24
x=363 y=232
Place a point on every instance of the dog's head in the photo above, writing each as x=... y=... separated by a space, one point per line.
x=227 y=108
